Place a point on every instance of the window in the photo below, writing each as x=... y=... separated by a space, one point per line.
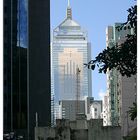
x=95 y=109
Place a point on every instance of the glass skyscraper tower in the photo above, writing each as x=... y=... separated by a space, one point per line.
x=70 y=50
x=26 y=81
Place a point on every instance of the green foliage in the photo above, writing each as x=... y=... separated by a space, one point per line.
x=133 y=112
x=123 y=57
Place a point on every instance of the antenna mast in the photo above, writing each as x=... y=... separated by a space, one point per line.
x=68 y=3
x=69 y=11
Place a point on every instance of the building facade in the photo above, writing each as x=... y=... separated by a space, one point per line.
x=113 y=36
x=121 y=89
x=96 y=109
x=89 y=107
x=70 y=50
x=68 y=109
x=39 y=63
x=127 y=96
x=8 y=59
x=106 y=111
x=88 y=102
x=26 y=65
x=112 y=77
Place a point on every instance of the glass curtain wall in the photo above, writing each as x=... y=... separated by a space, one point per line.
x=20 y=69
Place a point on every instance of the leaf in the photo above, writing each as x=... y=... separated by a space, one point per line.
x=92 y=67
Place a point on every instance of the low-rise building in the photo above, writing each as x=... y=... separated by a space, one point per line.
x=68 y=109
x=96 y=109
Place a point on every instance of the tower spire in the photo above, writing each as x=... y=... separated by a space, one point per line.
x=69 y=11
x=68 y=3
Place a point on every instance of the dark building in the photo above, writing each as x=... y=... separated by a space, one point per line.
x=10 y=43
x=26 y=65
x=39 y=62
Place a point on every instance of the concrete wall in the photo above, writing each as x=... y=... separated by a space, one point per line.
x=67 y=130
x=96 y=131
x=44 y=132
x=80 y=134
x=78 y=124
x=128 y=96
x=48 y=133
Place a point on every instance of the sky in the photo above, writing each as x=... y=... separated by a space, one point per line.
x=93 y=16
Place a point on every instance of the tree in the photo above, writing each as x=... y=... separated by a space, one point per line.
x=133 y=112
x=123 y=57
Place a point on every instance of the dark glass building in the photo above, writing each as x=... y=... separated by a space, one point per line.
x=26 y=66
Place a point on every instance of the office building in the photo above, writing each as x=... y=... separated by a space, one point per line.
x=9 y=25
x=70 y=50
x=26 y=66
x=121 y=89
x=112 y=37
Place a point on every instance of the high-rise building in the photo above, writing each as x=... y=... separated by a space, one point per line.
x=121 y=89
x=70 y=50
x=112 y=37
x=26 y=66
x=10 y=43
x=39 y=63
x=106 y=110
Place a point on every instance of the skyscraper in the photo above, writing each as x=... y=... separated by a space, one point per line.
x=70 y=50
x=113 y=36
x=10 y=41
x=39 y=75
x=26 y=65
x=121 y=89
